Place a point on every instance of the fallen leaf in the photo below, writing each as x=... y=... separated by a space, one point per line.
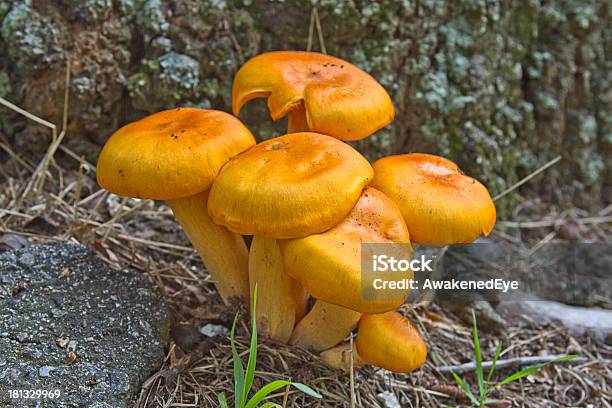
x=70 y=358
x=21 y=286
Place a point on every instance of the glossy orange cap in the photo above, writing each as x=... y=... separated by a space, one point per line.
x=390 y=341
x=439 y=203
x=328 y=265
x=288 y=187
x=339 y=99
x=171 y=154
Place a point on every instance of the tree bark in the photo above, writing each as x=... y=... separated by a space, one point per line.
x=501 y=87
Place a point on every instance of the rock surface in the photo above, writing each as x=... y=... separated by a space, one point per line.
x=580 y=321
x=500 y=87
x=60 y=299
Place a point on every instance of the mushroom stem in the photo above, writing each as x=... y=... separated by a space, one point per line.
x=276 y=301
x=300 y=296
x=324 y=326
x=224 y=253
x=339 y=357
x=297 y=120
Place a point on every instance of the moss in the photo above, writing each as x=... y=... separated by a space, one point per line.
x=5 y=84
x=5 y=6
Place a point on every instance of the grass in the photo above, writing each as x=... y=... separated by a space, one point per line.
x=485 y=387
x=243 y=381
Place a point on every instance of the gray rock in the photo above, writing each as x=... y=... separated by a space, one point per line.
x=113 y=322
x=580 y=321
x=212 y=330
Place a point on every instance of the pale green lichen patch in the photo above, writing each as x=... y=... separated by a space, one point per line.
x=164 y=82
x=32 y=40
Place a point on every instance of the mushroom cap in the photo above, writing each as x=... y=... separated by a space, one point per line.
x=288 y=187
x=340 y=99
x=328 y=265
x=171 y=154
x=439 y=203
x=390 y=341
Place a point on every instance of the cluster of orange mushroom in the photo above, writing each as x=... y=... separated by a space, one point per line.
x=308 y=199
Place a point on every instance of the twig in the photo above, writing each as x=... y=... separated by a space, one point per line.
x=28 y=114
x=511 y=362
x=552 y=223
x=87 y=165
x=320 y=31
x=352 y=373
x=16 y=157
x=526 y=179
x=315 y=21
x=310 y=31
x=286 y=396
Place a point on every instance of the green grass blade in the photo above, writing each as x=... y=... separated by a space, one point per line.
x=478 y=355
x=458 y=380
x=495 y=358
x=265 y=391
x=238 y=368
x=465 y=388
x=307 y=390
x=271 y=405
x=529 y=370
x=252 y=362
x=222 y=401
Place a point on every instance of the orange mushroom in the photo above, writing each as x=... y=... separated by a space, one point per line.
x=324 y=326
x=390 y=341
x=320 y=93
x=175 y=155
x=281 y=300
x=384 y=340
x=287 y=187
x=439 y=203
x=329 y=266
x=339 y=357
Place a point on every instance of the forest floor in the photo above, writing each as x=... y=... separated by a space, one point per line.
x=58 y=199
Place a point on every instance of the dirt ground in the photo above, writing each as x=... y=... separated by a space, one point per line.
x=47 y=201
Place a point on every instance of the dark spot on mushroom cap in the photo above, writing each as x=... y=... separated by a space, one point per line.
x=277 y=146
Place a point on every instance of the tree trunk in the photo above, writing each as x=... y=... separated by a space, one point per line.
x=501 y=87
